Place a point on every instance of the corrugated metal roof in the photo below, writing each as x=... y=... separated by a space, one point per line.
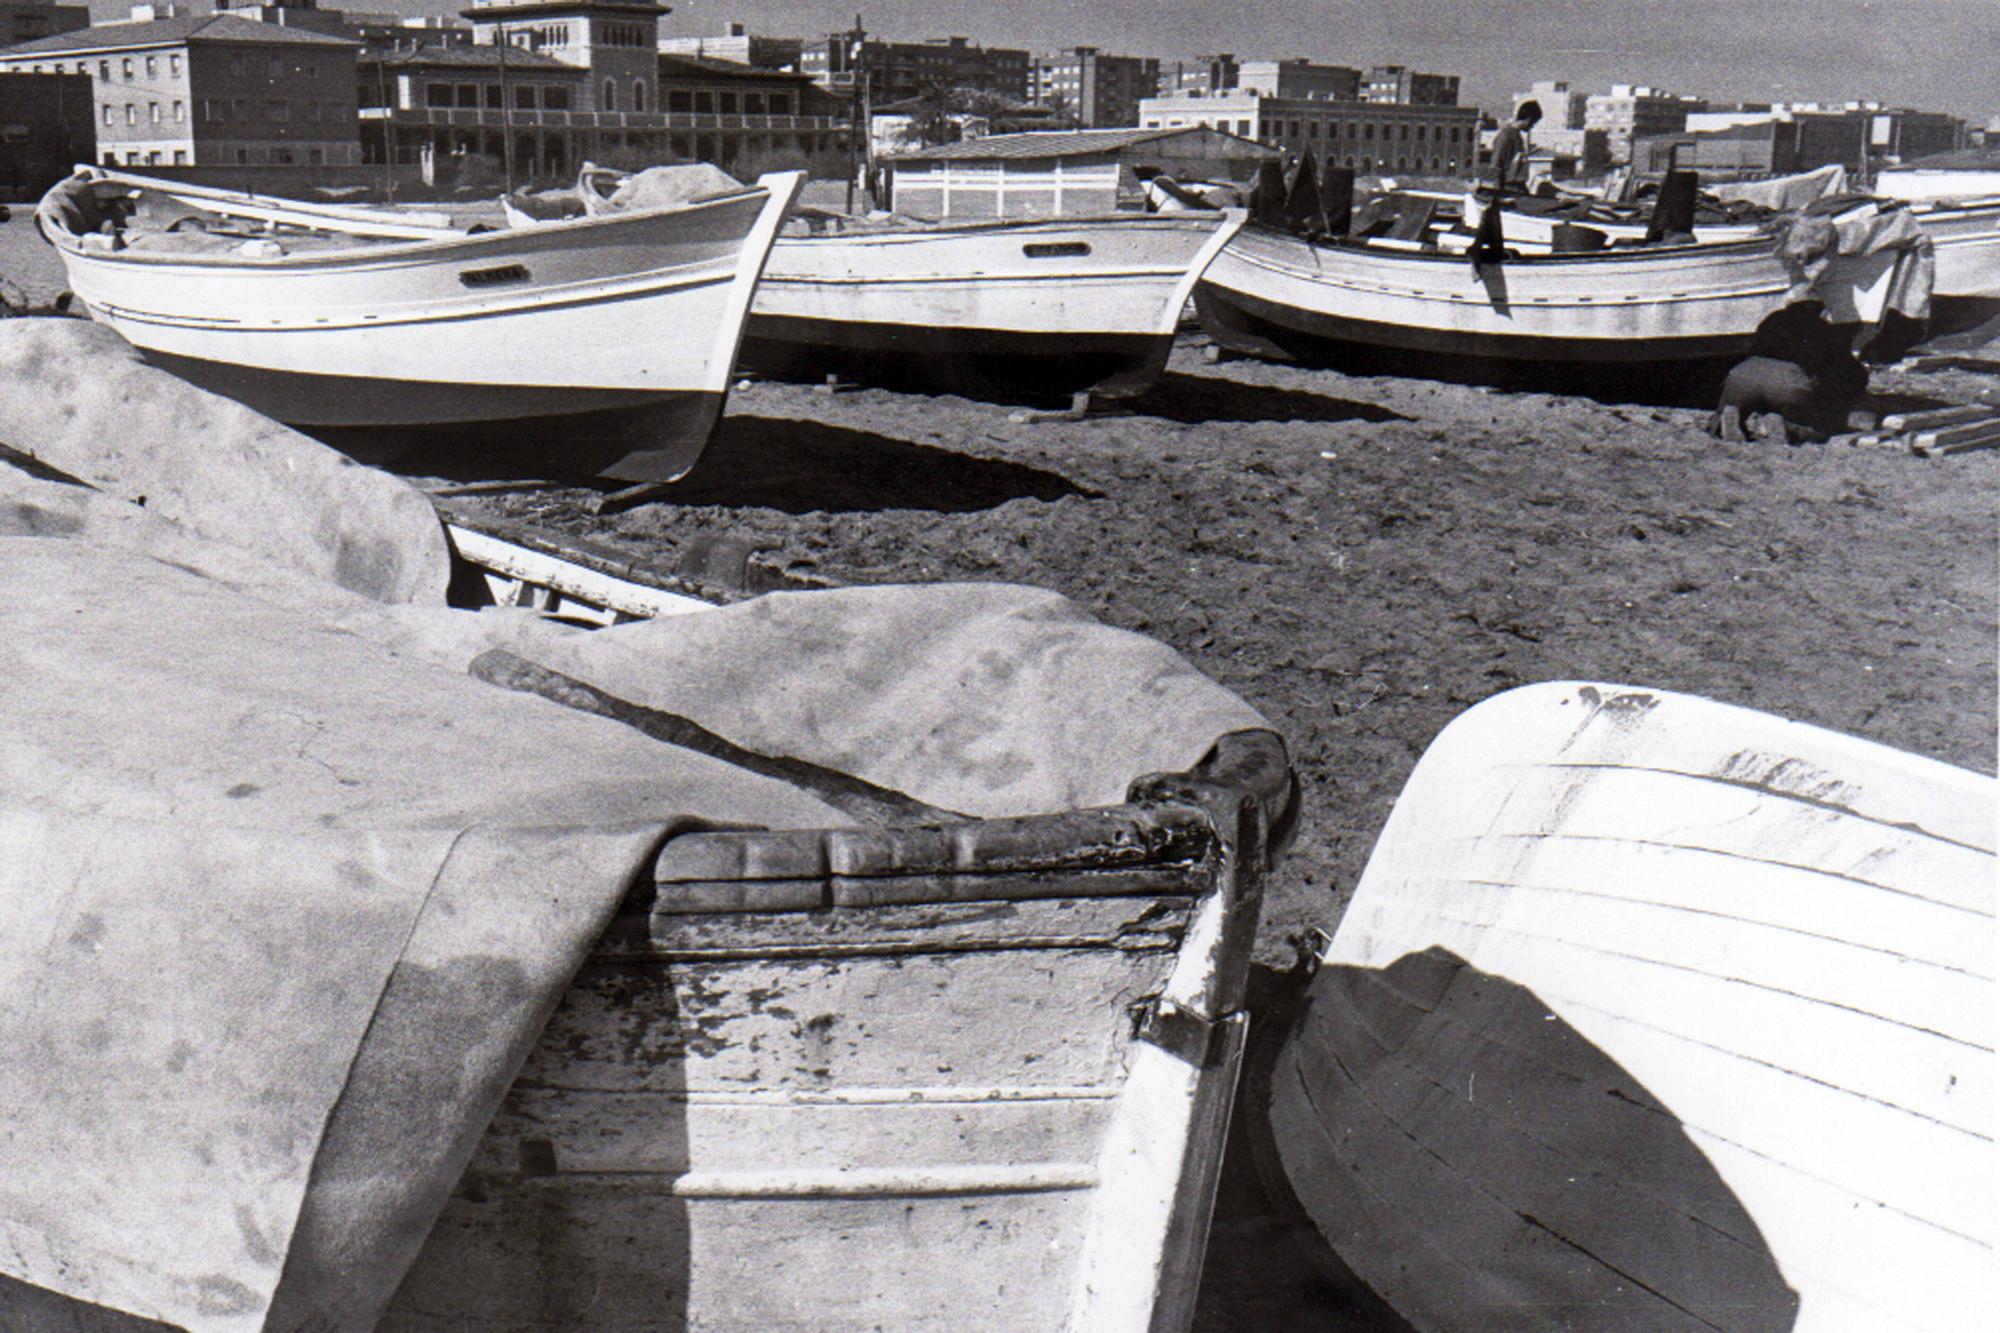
x=1058 y=143
x=173 y=32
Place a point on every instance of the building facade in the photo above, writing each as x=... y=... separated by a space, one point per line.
x=46 y=127
x=1294 y=78
x=849 y=63
x=1401 y=84
x=739 y=46
x=1371 y=137
x=616 y=41
x=209 y=90
x=1099 y=90
x=32 y=20
x=1632 y=111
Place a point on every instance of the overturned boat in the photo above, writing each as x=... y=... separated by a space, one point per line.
x=1652 y=1012
x=1051 y=306
x=335 y=316
x=1272 y=292
x=680 y=982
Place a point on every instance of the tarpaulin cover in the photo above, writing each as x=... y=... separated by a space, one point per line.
x=286 y=895
x=1812 y=241
x=1782 y=194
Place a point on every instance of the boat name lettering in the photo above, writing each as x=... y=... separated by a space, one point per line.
x=1054 y=249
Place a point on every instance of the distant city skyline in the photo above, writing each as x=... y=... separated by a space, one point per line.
x=1761 y=50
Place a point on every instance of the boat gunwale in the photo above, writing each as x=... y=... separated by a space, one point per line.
x=933 y=228
x=69 y=243
x=1749 y=247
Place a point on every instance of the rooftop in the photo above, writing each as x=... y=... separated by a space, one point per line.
x=464 y=57
x=174 y=32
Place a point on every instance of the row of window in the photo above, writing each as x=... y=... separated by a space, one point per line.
x=219 y=110
x=128 y=67
x=527 y=96
x=707 y=101
x=245 y=156
x=624 y=34
x=1277 y=130
x=180 y=113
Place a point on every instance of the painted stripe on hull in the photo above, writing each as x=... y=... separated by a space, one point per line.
x=1241 y=321
x=1116 y=364
x=626 y=434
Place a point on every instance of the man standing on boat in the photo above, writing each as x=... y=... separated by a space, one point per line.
x=1510 y=172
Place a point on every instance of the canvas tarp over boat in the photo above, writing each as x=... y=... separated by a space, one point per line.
x=286 y=894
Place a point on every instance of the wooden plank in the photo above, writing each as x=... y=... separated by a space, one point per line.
x=1932 y=417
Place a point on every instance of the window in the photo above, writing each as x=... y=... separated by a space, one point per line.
x=152 y=67
x=282 y=156
x=131 y=113
x=495 y=97
x=180 y=157
x=524 y=96
x=1243 y=128
x=610 y=96
x=153 y=112
x=174 y=65
x=125 y=67
x=555 y=99
x=214 y=110
x=753 y=104
x=242 y=156
x=638 y=94
x=781 y=104
x=104 y=70
x=1420 y=134
x=107 y=113
x=704 y=102
x=679 y=99
x=180 y=113
x=236 y=68
x=316 y=156
x=277 y=67
x=153 y=159
x=438 y=94
x=277 y=111
x=726 y=103
x=468 y=94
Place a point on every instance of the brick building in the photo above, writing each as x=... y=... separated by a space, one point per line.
x=208 y=90
x=1098 y=89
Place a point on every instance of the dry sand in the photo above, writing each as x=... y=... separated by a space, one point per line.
x=1363 y=558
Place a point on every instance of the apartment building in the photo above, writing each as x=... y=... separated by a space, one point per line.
x=208 y=90
x=849 y=62
x=1099 y=90
x=1371 y=137
x=1635 y=111
x=737 y=45
x=1403 y=85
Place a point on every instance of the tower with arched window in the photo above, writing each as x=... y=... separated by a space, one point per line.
x=616 y=40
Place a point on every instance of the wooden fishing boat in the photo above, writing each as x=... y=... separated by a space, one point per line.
x=1054 y=305
x=323 y=315
x=1533 y=230
x=1272 y=292
x=1966 y=234
x=1650 y=1012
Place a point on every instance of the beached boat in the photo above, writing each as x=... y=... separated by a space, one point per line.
x=324 y=315
x=814 y=1051
x=1052 y=305
x=1272 y=292
x=1966 y=235
x=1651 y=1012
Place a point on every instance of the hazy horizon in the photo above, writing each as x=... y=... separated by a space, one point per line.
x=1762 y=50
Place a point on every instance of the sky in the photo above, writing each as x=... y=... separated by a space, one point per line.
x=1934 y=54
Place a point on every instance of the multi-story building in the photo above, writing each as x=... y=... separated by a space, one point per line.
x=32 y=20
x=1098 y=89
x=1562 y=106
x=1898 y=134
x=1295 y=78
x=465 y=103
x=617 y=41
x=1371 y=137
x=1199 y=76
x=45 y=129
x=1401 y=84
x=850 y=63
x=1632 y=111
x=739 y=46
x=209 y=90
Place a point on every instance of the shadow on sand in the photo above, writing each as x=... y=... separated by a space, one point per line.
x=1195 y=400
x=753 y=462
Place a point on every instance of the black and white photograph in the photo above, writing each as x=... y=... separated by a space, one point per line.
x=1124 y=666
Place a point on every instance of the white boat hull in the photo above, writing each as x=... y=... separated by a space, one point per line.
x=1650 y=1012
x=1691 y=303
x=1057 y=304
x=632 y=311
x=1534 y=233
x=1966 y=234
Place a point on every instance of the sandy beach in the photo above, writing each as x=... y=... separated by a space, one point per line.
x=1363 y=558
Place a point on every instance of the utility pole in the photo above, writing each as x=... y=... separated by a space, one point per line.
x=860 y=129
x=506 y=108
